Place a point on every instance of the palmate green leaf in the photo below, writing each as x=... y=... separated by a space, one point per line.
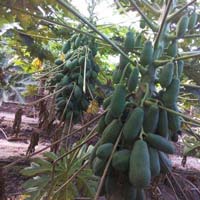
x=50 y=156
x=34 y=170
x=36 y=182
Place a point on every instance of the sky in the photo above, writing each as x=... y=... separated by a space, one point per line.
x=106 y=12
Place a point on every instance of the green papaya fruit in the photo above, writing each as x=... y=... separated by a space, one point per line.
x=133 y=79
x=146 y=57
x=104 y=151
x=160 y=143
x=120 y=160
x=139 y=168
x=133 y=125
x=166 y=74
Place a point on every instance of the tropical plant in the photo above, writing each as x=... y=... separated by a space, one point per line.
x=58 y=179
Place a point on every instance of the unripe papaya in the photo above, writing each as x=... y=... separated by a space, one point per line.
x=154 y=162
x=139 y=168
x=192 y=20
x=116 y=76
x=118 y=100
x=133 y=125
x=111 y=132
x=133 y=79
x=159 y=143
x=120 y=160
x=77 y=92
x=165 y=163
x=138 y=41
x=162 y=128
x=58 y=62
x=66 y=47
x=151 y=119
x=108 y=117
x=166 y=74
x=93 y=153
x=123 y=61
x=171 y=94
x=172 y=49
x=140 y=195
x=107 y=101
x=129 y=42
x=98 y=166
x=174 y=119
x=182 y=26
x=147 y=54
x=101 y=125
x=103 y=151
x=180 y=64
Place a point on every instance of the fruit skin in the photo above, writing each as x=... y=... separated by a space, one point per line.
x=111 y=132
x=133 y=80
x=103 y=151
x=64 y=81
x=147 y=54
x=58 y=62
x=66 y=47
x=182 y=26
x=138 y=41
x=159 y=143
x=133 y=124
x=116 y=76
x=107 y=101
x=120 y=160
x=154 y=162
x=129 y=42
x=98 y=166
x=165 y=163
x=180 y=64
x=101 y=125
x=151 y=119
x=172 y=49
x=93 y=153
x=77 y=92
x=117 y=104
x=174 y=120
x=122 y=62
x=58 y=77
x=171 y=94
x=140 y=194
x=108 y=117
x=192 y=20
x=166 y=74
x=162 y=128
x=139 y=167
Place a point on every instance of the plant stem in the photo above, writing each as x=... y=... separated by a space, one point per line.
x=163 y=62
x=174 y=15
x=174 y=112
x=83 y=19
x=163 y=23
x=149 y=22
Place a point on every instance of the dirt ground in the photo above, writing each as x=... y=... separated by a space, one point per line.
x=184 y=180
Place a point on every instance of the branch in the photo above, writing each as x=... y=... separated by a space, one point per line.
x=174 y=15
x=163 y=23
x=90 y=25
x=149 y=22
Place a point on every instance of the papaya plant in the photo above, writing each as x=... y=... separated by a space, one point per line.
x=60 y=183
x=143 y=118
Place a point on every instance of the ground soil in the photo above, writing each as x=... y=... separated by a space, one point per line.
x=183 y=181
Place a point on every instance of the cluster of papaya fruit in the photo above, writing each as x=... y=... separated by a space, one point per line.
x=78 y=74
x=144 y=123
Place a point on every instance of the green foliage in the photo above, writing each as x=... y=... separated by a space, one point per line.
x=43 y=183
